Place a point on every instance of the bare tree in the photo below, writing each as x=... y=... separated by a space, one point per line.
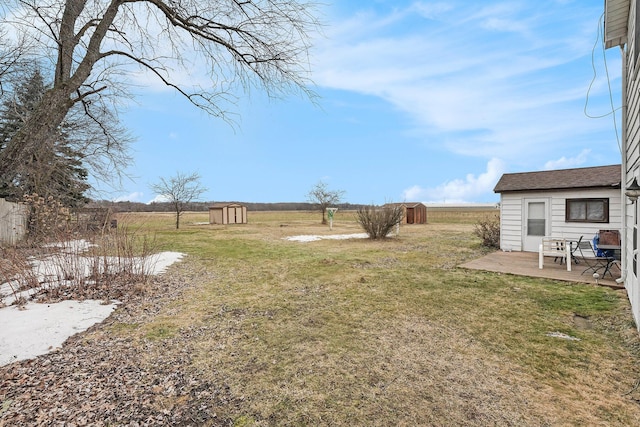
x=100 y=48
x=179 y=190
x=322 y=196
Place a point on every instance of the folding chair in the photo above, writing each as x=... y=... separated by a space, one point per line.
x=575 y=251
x=590 y=257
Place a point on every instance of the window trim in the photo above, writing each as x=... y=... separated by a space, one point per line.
x=604 y=200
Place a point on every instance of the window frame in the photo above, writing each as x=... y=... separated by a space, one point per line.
x=586 y=200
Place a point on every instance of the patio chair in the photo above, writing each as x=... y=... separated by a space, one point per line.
x=555 y=247
x=590 y=256
x=575 y=251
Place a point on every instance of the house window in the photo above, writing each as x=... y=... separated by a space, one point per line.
x=587 y=210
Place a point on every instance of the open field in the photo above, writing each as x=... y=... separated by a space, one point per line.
x=267 y=332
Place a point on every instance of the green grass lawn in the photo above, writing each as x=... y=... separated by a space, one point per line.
x=361 y=332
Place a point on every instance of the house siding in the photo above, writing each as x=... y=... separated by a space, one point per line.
x=620 y=31
x=512 y=215
x=632 y=163
x=511 y=222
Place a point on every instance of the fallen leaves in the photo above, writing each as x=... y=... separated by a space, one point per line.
x=104 y=378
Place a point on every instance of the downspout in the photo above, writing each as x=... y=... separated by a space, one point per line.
x=623 y=179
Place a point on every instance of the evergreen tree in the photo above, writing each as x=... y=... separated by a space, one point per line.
x=53 y=169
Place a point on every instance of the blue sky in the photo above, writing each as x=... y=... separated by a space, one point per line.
x=426 y=101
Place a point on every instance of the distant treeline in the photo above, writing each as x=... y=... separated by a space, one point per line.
x=204 y=206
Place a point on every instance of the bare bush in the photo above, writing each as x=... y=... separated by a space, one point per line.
x=48 y=219
x=16 y=276
x=378 y=222
x=111 y=266
x=123 y=256
x=488 y=230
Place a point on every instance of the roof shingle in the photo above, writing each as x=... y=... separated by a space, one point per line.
x=591 y=177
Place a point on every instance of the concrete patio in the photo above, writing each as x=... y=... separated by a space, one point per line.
x=526 y=264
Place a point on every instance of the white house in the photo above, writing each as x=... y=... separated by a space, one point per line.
x=622 y=29
x=567 y=203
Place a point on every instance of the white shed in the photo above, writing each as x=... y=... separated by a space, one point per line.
x=566 y=203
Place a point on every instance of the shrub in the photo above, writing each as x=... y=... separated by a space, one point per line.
x=488 y=230
x=111 y=266
x=378 y=222
x=48 y=219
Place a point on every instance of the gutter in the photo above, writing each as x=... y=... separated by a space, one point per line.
x=623 y=181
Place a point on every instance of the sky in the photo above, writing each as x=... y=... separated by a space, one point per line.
x=418 y=101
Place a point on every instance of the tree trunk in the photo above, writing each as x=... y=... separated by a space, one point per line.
x=178 y=207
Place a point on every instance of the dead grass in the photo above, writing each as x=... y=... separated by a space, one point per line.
x=361 y=332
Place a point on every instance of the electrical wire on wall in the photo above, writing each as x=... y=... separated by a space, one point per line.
x=613 y=111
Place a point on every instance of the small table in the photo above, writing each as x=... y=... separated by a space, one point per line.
x=615 y=248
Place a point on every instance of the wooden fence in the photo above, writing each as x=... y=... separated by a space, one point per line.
x=13 y=222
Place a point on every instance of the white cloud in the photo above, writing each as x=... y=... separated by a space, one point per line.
x=160 y=198
x=460 y=190
x=491 y=81
x=566 y=163
x=136 y=196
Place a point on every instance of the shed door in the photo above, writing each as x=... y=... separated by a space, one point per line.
x=235 y=215
x=535 y=225
x=411 y=216
x=232 y=215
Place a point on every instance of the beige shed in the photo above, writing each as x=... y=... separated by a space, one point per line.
x=227 y=213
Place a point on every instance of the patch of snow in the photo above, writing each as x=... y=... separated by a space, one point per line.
x=51 y=271
x=158 y=263
x=313 y=238
x=562 y=336
x=72 y=246
x=38 y=328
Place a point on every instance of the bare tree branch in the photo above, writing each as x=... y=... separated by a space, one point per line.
x=97 y=47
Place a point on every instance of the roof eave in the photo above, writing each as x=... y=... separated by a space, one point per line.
x=616 y=19
x=531 y=190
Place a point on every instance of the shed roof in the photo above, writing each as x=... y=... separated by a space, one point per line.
x=407 y=204
x=219 y=205
x=578 y=178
